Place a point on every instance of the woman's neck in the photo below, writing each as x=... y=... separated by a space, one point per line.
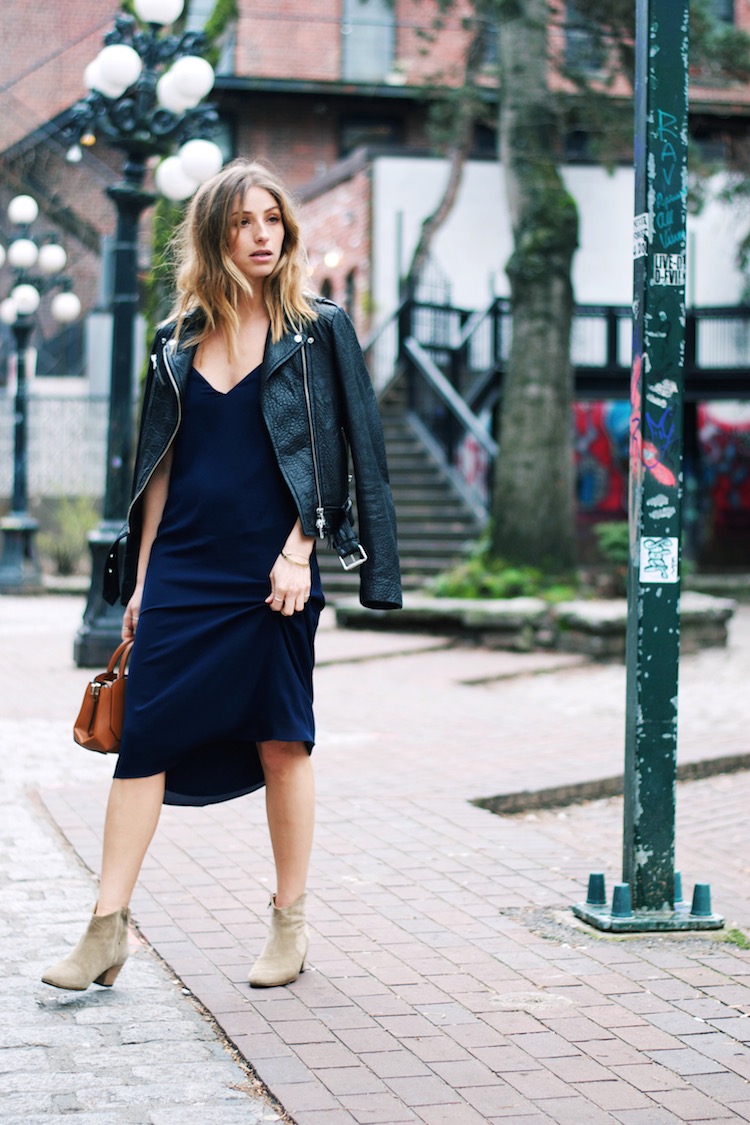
x=253 y=309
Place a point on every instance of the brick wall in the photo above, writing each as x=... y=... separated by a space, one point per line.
x=298 y=135
x=336 y=223
x=286 y=38
x=293 y=39
x=46 y=47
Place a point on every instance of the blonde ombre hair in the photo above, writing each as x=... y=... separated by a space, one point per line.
x=207 y=279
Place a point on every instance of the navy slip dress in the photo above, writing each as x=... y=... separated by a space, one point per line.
x=213 y=669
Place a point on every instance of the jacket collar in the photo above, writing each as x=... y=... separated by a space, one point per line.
x=181 y=359
x=278 y=353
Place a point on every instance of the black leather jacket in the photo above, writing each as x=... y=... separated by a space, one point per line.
x=318 y=403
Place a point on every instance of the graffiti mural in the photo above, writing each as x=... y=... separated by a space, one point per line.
x=602 y=433
x=605 y=430
x=724 y=436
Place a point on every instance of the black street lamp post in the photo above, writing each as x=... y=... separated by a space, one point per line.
x=145 y=93
x=36 y=270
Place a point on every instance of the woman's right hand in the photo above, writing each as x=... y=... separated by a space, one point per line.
x=132 y=612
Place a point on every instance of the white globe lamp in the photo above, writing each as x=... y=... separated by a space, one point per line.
x=2 y=256
x=26 y=299
x=52 y=258
x=192 y=77
x=22 y=254
x=22 y=210
x=201 y=159
x=173 y=181
x=95 y=80
x=119 y=65
x=66 y=308
x=158 y=11
x=8 y=311
x=169 y=97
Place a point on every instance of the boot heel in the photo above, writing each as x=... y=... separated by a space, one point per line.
x=108 y=978
x=98 y=957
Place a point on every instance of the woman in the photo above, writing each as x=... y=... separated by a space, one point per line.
x=255 y=397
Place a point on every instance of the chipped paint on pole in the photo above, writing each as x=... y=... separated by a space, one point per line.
x=659 y=249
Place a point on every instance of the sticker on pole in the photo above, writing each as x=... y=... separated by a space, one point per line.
x=669 y=269
x=659 y=558
x=640 y=236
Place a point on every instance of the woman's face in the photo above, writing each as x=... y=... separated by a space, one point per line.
x=257 y=234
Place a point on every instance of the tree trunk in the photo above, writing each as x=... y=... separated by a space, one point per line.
x=460 y=147
x=533 y=507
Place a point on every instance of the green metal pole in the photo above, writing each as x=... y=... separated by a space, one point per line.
x=646 y=900
x=657 y=387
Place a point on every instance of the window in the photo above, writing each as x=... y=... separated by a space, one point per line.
x=584 y=49
x=722 y=10
x=359 y=132
x=367 y=40
x=350 y=291
x=491 y=52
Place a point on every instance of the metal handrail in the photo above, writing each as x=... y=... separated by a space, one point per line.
x=458 y=408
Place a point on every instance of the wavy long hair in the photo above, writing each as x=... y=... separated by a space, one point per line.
x=208 y=281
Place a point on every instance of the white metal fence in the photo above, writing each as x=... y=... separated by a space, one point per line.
x=66 y=446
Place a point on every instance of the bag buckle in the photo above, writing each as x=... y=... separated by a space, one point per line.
x=354 y=559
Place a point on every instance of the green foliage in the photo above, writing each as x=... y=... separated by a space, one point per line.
x=223 y=13
x=736 y=937
x=158 y=284
x=483 y=576
x=613 y=539
x=66 y=544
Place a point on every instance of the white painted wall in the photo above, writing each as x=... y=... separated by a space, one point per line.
x=475 y=242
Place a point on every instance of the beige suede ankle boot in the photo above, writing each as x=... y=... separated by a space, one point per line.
x=98 y=957
x=283 y=956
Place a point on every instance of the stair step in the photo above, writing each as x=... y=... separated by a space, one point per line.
x=434 y=523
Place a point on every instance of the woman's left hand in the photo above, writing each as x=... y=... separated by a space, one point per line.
x=290 y=585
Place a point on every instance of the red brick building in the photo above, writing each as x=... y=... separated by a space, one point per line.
x=301 y=85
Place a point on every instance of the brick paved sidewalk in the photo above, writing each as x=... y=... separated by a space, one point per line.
x=447 y=983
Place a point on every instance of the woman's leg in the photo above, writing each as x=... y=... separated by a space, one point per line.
x=290 y=807
x=132 y=816
x=290 y=796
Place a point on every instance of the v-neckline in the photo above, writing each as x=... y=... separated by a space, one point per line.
x=225 y=394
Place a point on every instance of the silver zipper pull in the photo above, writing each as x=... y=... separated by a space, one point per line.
x=320 y=522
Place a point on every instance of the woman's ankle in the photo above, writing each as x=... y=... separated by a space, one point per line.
x=105 y=907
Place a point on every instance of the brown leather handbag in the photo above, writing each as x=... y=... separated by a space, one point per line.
x=99 y=723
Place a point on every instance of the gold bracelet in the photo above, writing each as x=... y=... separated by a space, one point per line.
x=293 y=561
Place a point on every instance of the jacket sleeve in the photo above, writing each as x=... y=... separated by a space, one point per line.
x=380 y=579
x=114 y=586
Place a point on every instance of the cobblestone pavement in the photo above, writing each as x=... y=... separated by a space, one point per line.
x=448 y=984
x=145 y=1054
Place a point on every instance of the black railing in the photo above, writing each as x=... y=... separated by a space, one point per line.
x=459 y=439
x=454 y=360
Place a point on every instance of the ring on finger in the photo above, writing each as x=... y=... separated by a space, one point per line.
x=276 y=598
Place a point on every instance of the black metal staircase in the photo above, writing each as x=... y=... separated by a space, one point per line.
x=434 y=522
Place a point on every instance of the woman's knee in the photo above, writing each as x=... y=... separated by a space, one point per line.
x=279 y=758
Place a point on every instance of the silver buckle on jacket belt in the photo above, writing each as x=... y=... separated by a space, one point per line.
x=355 y=559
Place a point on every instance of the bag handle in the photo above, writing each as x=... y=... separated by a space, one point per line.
x=121 y=655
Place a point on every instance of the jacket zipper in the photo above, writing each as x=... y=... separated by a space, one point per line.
x=320 y=521
x=173 y=381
